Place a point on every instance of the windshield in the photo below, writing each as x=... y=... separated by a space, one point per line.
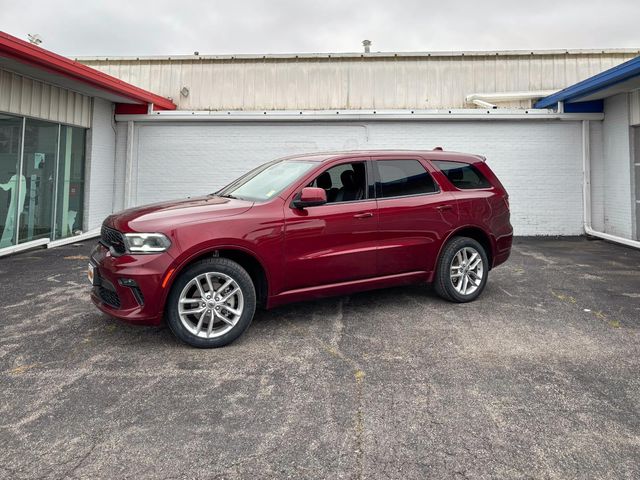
x=267 y=181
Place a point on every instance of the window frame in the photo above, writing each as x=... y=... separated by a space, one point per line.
x=481 y=175
x=368 y=177
x=421 y=162
x=17 y=239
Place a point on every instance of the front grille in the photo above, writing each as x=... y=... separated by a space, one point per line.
x=109 y=297
x=113 y=239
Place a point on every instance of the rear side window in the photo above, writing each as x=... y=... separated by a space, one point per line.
x=397 y=178
x=463 y=175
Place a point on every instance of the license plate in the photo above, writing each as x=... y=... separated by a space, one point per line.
x=91 y=273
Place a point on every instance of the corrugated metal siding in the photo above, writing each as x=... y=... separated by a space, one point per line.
x=25 y=96
x=354 y=82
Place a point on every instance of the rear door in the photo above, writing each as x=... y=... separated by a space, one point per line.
x=335 y=242
x=414 y=214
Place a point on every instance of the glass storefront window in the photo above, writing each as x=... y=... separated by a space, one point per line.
x=10 y=144
x=70 y=191
x=42 y=190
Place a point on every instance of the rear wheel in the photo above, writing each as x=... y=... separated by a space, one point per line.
x=211 y=303
x=462 y=271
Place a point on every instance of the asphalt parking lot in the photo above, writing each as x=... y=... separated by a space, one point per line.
x=539 y=378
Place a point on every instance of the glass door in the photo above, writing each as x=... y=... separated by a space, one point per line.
x=10 y=181
x=39 y=171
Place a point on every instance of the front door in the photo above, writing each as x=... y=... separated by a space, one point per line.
x=413 y=215
x=335 y=242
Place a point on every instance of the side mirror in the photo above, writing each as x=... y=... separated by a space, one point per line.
x=310 y=197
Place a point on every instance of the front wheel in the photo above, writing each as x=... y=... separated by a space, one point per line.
x=463 y=268
x=211 y=303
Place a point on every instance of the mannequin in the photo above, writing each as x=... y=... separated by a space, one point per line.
x=10 y=223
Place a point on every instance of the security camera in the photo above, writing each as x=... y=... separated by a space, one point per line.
x=34 y=38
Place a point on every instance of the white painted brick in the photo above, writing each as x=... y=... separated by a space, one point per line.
x=617 y=196
x=539 y=162
x=100 y=165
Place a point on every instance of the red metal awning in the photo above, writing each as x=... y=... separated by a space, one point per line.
x=56 y=69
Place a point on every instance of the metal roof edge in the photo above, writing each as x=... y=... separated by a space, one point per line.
x=25 y=52
x=355 y=115
x=602 y=80
x=373 y=55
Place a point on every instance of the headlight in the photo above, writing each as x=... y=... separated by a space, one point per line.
x=146 y=242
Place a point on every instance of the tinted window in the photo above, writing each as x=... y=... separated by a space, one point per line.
x=463 y=175
x=397 y=178
x=346 y=182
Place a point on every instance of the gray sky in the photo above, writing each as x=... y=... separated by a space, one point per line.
x=160 y=27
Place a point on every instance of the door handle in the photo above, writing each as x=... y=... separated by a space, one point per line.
x=363 y=215
x=442 y=208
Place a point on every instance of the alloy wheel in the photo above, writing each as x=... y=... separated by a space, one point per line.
x=466 y=270
x=210 y=305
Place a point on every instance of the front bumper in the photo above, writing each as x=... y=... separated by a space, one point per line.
x=129 y=287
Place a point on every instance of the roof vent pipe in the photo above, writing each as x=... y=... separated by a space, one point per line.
x=367 y=46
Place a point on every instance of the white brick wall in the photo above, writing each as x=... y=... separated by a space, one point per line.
x=120 y=153
x=100 y=165
x=616 y=200
x=175 y=161
x=539 y=162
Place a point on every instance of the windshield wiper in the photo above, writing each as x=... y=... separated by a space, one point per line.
x=226 y=195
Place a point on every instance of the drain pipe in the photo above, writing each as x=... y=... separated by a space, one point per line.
x=487 y=100
x=586 y=193
x=482 y=103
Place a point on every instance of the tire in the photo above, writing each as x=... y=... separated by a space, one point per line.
x=190 y=313
x=449 y=279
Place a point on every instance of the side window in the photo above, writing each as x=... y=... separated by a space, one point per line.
x=462 y=175
x=346 y=182
x=397 y=178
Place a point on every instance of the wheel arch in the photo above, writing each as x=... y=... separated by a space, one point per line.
x=242 y=256
x=478 y=234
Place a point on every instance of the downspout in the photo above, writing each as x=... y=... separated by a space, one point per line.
x=586 y=193
x=481 y=103
x=487 y=100
x=128 y=167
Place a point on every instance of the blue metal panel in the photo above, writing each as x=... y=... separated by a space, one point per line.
x=593 y=84
x=593 y=106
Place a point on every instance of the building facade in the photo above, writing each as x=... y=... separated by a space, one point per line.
x=57 y=144
x=90 y=138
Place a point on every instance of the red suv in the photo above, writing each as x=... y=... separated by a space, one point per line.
x=299 y=228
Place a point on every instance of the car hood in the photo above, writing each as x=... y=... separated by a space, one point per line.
x=161 y=217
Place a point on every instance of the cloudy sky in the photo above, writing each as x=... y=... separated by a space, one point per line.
x=162 y=27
